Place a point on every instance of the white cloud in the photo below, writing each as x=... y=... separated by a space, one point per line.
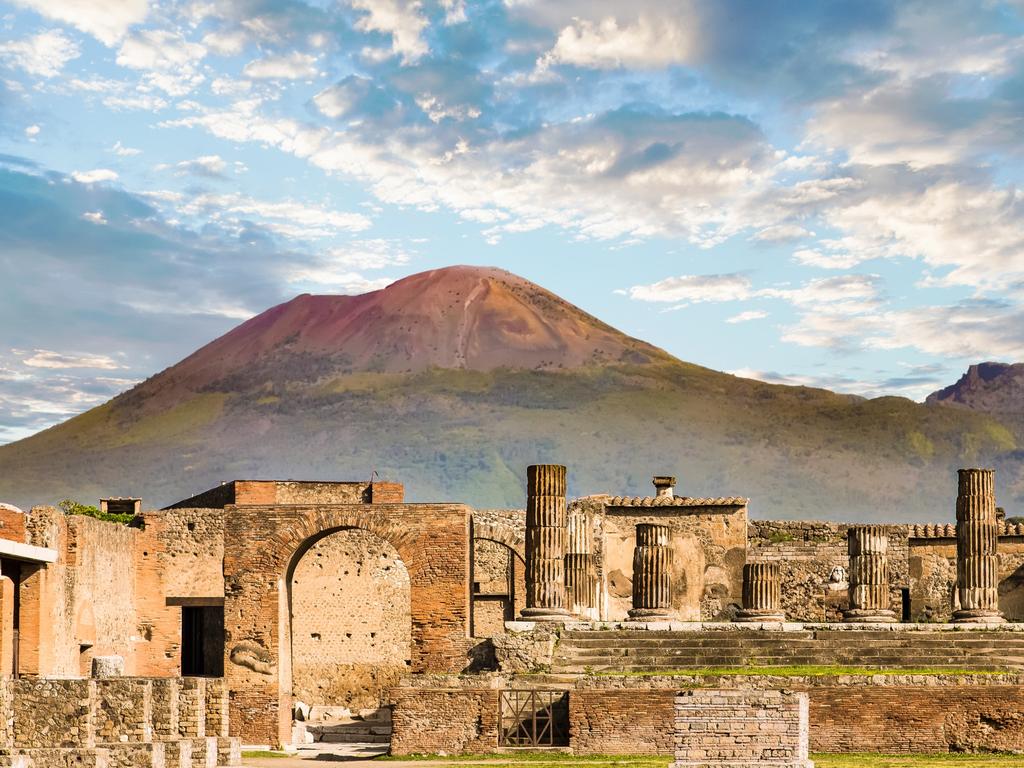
x=844 y=259
x=142 y=101
x=159 y=49
x=94 y=176
x=96 y=217
x=375 y=253
x=44 y=358
x=226 y=86
x=646 y=43
x=287 y=218
x=337 y=281
x=44 y=54
x=695 y=288
x=780 y=233
x=227 y=43
x=746 y=317
x=211 y=166
x=399 y=18
x=122 y=151
x=106 y=20
x=32 y=131
x=292 y=66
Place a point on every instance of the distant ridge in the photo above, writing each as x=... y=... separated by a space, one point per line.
x=989 y=387
x=453 y=380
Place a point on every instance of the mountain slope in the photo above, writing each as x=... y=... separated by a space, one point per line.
x=988 y=387
x=453 y=380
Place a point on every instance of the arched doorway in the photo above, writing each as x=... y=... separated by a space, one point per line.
x=499 y=585
x=351 y=631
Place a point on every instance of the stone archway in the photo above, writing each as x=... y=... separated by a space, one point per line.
x=349 y=613
x=262 y=545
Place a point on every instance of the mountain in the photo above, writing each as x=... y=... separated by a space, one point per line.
x=996 y=388
x=452 y=381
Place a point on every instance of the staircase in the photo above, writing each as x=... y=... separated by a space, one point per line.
x=373 y=729
x=581 y=651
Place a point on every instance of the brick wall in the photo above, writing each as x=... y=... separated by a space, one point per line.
x=611 y=722
x=449 y=721
x=178 y=554
x=900 y=714
x=978 y=718
x=350 y=621
x=263 y=544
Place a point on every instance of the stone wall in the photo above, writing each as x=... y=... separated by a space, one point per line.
x=813 y=563
x=350 y=620
x=741 y=728
x=709 y=545
x=444 y=721
x=129 y=722
x=932 y=567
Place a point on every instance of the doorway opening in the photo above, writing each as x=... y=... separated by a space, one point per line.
x=202 y=641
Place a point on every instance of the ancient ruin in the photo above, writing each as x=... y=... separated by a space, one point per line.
x=278 y=613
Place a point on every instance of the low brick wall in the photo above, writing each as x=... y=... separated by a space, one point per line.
x=745 y=729
x=924 y=719
x=453 y=721
x=848 y=715
x=629 y=715
x=613 y=722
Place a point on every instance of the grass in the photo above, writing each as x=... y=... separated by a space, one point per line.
x=796 y=671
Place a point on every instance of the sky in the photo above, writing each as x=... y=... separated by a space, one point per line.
x=820 y=193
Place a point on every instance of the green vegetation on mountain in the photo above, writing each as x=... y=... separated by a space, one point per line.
x=280 y=396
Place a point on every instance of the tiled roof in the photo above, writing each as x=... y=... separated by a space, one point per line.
x=675 y=501
x=948 y=531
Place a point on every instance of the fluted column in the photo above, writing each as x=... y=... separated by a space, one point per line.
x=762 y=593
x=868 y=548
x=652 y=573
x=977 y=535
x=580 y=577
x=545 y=543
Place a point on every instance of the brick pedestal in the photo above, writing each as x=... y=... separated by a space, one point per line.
x=741 y=729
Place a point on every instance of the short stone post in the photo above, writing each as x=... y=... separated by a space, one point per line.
x=545 y=543
x=652 y=573
x=580 y=578
x=762 y=593
x=977 y=536
x=107 y=666
x=868 y=548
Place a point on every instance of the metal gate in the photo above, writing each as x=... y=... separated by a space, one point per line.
x=534 y=718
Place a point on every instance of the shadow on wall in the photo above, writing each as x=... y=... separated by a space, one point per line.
x=1011 y=595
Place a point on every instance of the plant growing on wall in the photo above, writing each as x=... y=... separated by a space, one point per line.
x=72 y=507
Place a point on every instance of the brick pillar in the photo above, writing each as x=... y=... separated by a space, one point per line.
x=545 y=543
x=977 y=534
x=7 y=588
x=868 y=547
x=652 y=573
x=762 y=593
x=580 y=581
